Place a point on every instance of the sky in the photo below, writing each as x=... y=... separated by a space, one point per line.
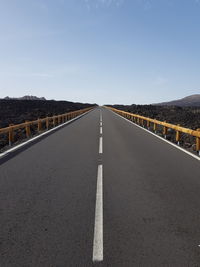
x=100 y=51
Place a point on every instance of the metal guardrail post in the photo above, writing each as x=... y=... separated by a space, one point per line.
x=28 y=130
x=165 y=129
x=54 y=121
x=198 y=143
x=47 y=123
x=148 y=125
x=11 y=134
x=39 y=125
x=178 y=135
x=155 y=127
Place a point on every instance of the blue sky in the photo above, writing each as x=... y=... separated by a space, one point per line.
x=103 y=51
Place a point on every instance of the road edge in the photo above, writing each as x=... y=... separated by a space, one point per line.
x=161 y=138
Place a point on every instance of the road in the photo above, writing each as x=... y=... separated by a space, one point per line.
x=99 y=194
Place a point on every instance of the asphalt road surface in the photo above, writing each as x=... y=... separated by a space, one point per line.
x=99 y=192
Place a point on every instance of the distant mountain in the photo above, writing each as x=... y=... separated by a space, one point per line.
x=188 y=101
x=26 y=97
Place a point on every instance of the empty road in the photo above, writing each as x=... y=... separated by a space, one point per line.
x=99 y=192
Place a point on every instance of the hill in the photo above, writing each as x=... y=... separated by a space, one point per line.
x=26 y=97
x=188 y=101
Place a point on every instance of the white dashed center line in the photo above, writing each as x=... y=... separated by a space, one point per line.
x=101 y=145
x=98 y=224
x=98 y=227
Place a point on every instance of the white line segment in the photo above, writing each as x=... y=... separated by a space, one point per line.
x=100 y=117
x=98 y=226
x=101 y=145
x=101 y=131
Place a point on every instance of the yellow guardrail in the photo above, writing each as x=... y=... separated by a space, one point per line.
x=54 y=120
x=141 y=119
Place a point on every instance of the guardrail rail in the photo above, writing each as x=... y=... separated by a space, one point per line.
x=145 y=121
x=41 y=124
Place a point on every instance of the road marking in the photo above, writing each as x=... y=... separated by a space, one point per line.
x=101 y=131
x=170 y=143
x=101 y=123
x=98 y=226
x=100 y=117
x=101 y=145
x=7 y=152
